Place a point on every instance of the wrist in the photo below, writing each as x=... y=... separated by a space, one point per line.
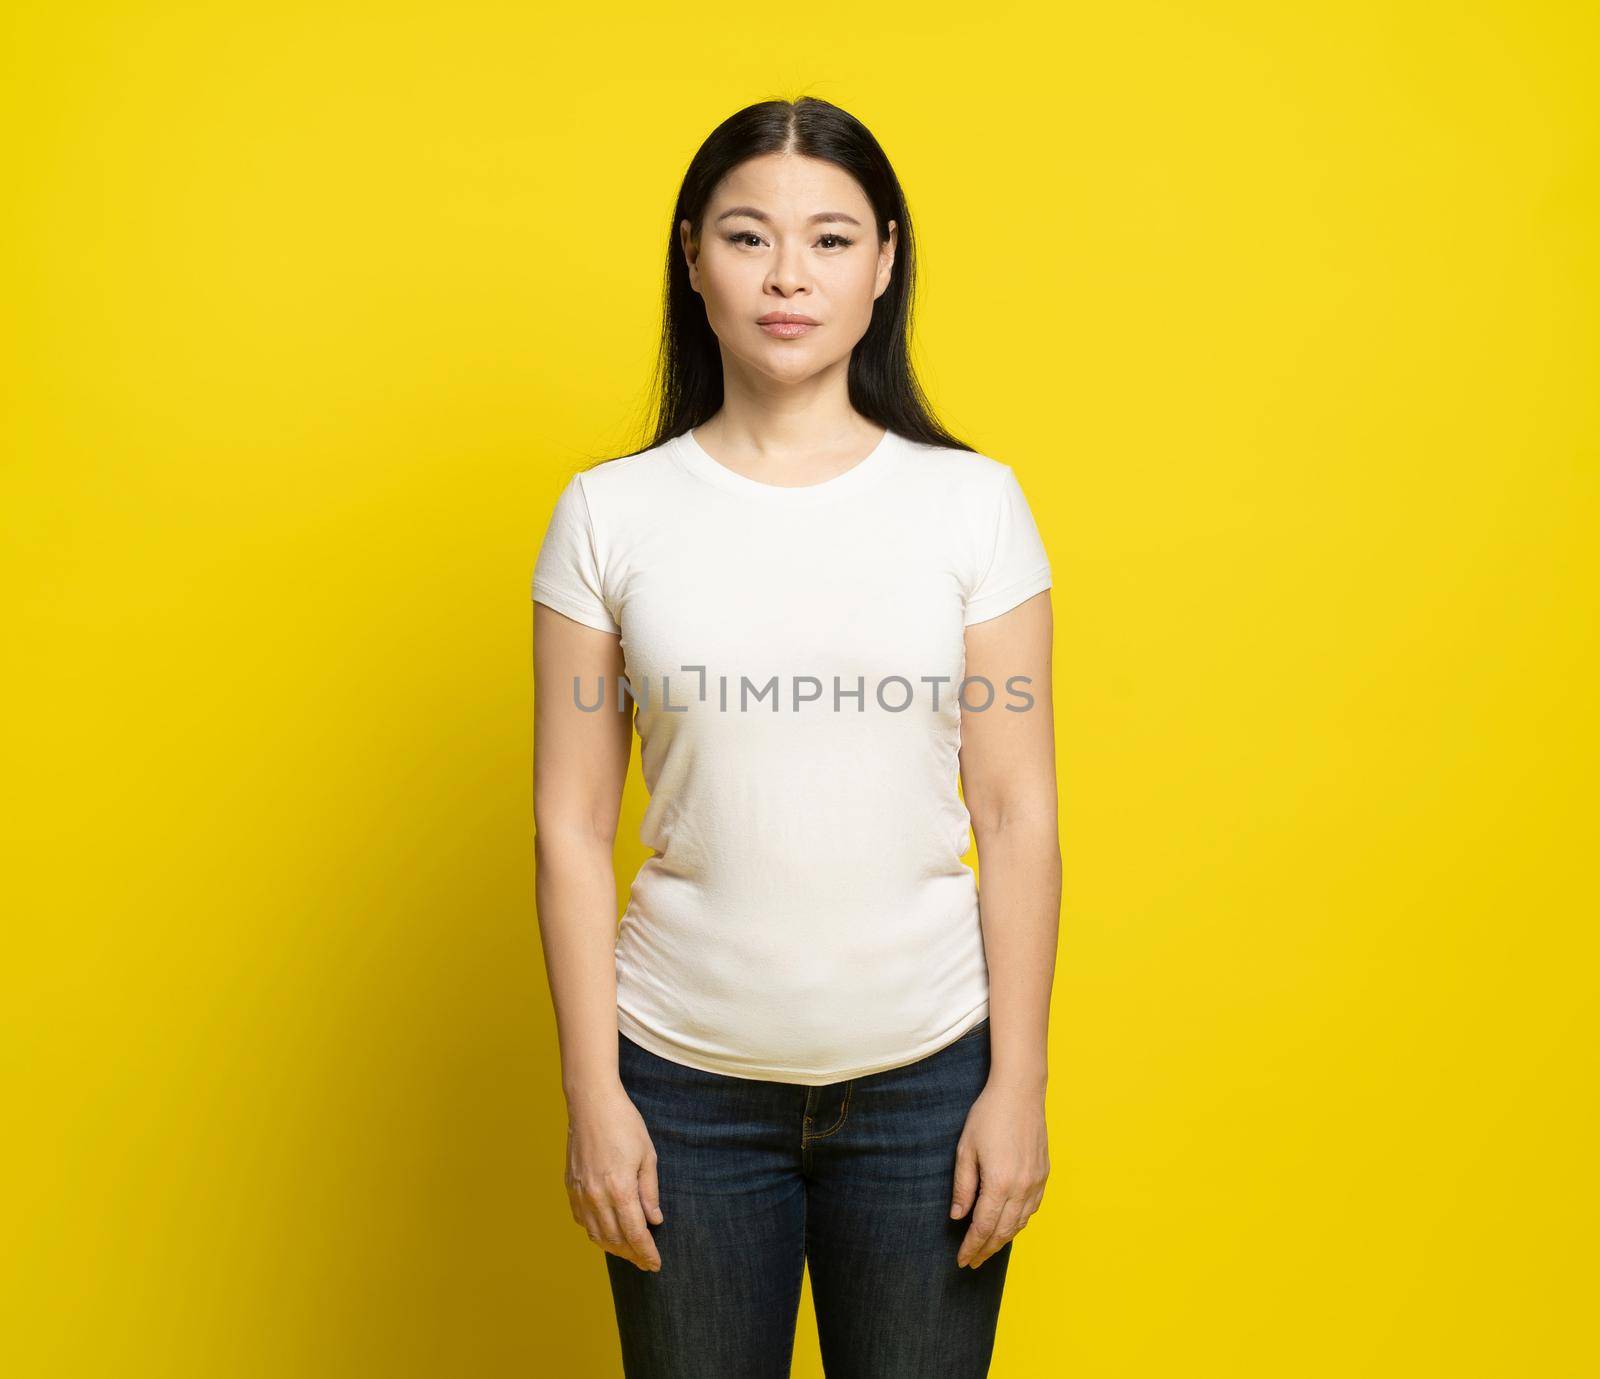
x=1029 y=1079
x=582 y=1086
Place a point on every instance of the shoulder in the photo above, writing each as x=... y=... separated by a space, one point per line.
x=614 y=490
x=627 y=473
x=968 y=478
x=950 y=463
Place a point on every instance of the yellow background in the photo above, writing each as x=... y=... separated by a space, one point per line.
x=1285 y=316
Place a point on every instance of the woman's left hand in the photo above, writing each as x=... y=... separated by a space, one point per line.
x=1004 y=1149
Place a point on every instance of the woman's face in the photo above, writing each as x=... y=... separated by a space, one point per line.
x=787 y=234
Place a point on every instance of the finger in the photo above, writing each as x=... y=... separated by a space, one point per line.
x=985 y=1217
x=1031 y=1206
x=629 y=1212
x=607 y=1233
x=650 y=1191
x=624 y=1216
x=966 y=1181
x=590 y=1221
x=1005 y=1228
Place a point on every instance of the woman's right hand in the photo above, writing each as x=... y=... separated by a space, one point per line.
x=611 y=1176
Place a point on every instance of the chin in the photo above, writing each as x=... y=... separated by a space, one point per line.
x=794 y=369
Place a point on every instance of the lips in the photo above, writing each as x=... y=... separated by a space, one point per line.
x=787 y=325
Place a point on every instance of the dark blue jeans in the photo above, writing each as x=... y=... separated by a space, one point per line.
x=760 y=1179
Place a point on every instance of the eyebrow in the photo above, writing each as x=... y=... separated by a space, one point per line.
x=818 y=218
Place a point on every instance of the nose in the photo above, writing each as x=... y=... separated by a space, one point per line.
x=789 y=273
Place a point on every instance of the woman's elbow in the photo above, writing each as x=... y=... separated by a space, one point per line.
x=1022 y=814
x=569 y=835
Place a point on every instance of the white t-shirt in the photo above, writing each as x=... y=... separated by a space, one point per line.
x=807 y=916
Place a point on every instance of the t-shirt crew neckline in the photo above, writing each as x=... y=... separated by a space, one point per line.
x=693 y=457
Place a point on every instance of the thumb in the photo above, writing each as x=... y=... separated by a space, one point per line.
x=650 y=1193
x=966 y=1183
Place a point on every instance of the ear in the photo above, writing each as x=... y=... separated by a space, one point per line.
x=691 y=251
x=886 y=255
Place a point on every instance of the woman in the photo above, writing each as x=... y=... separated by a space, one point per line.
x=808 y=1044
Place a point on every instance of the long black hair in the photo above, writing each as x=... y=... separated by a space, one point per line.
x=686 y=387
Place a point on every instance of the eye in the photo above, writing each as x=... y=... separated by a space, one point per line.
x=743 y=238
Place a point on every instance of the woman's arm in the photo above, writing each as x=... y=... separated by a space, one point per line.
x=580 y=764
x=1008 y=780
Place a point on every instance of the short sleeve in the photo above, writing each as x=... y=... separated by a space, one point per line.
x=1016 y=566
x=567 y=573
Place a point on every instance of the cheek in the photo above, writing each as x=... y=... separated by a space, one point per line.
x=723 y=277
x=851 y=293
x=856 y=280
